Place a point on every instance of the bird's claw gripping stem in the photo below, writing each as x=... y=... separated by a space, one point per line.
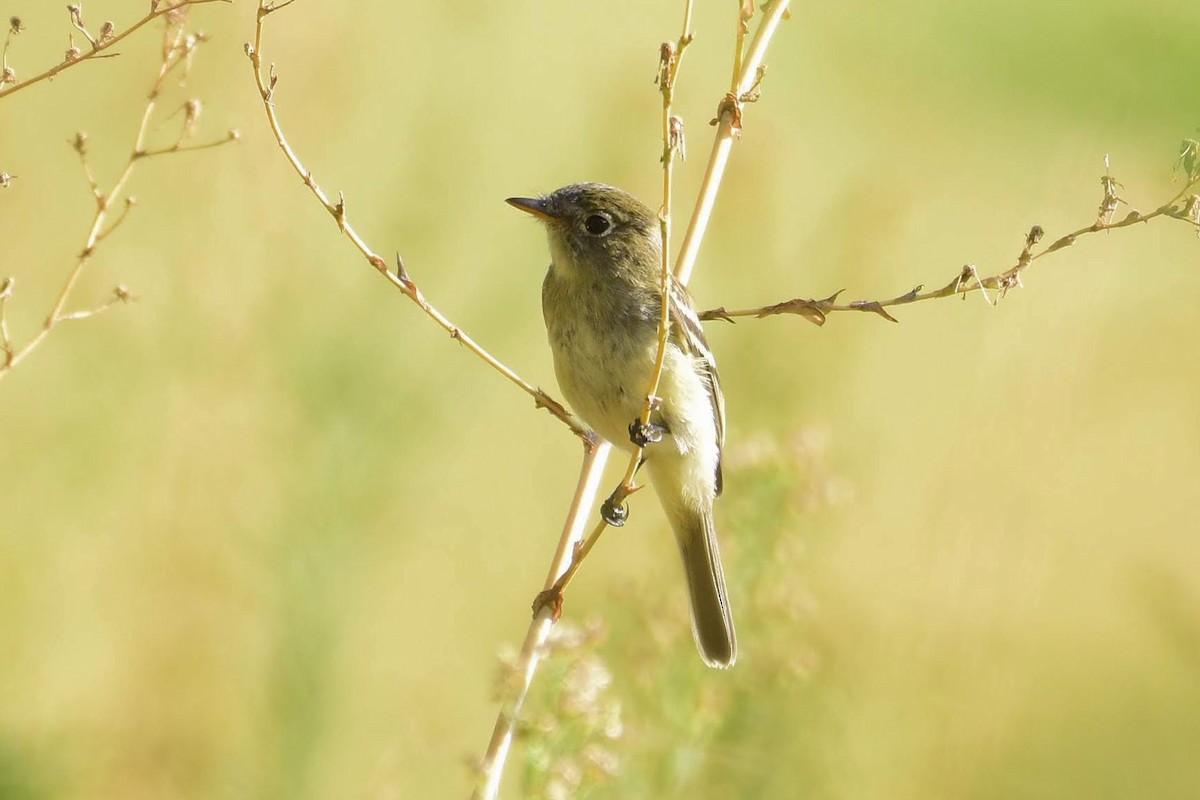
x=644 y=433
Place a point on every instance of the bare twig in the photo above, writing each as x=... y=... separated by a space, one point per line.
x=492 y=766
x=120 y=294
x=107 y=39
x=6 y=342
x=183 y=147
x=400 y=278
x=968 y=280
x=729 y=124
x=8 y=75
x=178 y=48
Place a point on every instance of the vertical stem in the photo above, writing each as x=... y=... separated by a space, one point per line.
x=726 y=131
x=539 y=629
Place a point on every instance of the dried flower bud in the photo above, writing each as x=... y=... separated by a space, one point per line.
x=73 y=53
x=108 y=31
x=122 y=293
x=235 y=135
x=191 y=114
x=14 y=25
x=666 y=58
x=675 y=137
x=1035 y=235
x=80 y=142
x=5 y=179
x=8 y=76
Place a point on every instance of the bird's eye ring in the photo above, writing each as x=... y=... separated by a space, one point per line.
x=597 y=224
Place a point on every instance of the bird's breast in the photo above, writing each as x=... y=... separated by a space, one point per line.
x=603 y=357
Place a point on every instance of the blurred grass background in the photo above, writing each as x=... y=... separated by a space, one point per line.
x=263 y=533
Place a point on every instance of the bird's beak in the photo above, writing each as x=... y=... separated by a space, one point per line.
x=531 y=205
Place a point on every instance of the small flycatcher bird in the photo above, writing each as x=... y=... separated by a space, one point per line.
x=601 y=301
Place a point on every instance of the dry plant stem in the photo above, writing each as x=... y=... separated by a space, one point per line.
x=492 y=767
x=99 y=47
x=180 y=147
x=6 y=343
x=175 y=53
x=728 y=126
x=400 y=278
x=968 y=280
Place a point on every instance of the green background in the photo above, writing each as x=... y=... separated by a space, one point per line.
x=264 y=532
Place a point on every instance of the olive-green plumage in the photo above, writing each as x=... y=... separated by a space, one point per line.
x=601 y=301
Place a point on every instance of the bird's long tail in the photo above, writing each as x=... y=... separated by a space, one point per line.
x=712 y=622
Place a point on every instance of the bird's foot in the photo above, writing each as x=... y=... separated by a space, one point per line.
x=614 y=513
x=644 y=433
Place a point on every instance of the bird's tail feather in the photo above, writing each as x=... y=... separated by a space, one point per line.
x=712 y=622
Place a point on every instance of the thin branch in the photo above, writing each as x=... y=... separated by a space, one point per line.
x=126 y=207
x=729 y=125
x=6 y=342
x=76 y=12
x=532 y=649
x=183 y=147
x=8 y=74
x=968 y=279
x=80 y=145
x=400 y=278
x=102 y=44
x=120 y=295
x=178 y=47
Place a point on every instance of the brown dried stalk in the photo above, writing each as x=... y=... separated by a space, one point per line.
x=107 y=38
x=1183 y=206
x=178 y=48
x=400 y=278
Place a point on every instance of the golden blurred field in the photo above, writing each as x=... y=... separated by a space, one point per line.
x=264 y=532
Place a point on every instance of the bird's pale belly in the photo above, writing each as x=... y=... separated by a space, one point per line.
x=605 y=386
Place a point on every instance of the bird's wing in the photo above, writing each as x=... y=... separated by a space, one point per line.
x=688 y=334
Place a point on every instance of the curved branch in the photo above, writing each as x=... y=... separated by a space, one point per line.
x=968 y=279
x=99 y=46
x=178 y=48
x=400 y=278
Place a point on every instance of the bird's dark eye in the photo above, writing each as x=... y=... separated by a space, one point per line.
x=597 y=224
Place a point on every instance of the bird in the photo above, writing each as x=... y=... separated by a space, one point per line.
x=601 y=300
